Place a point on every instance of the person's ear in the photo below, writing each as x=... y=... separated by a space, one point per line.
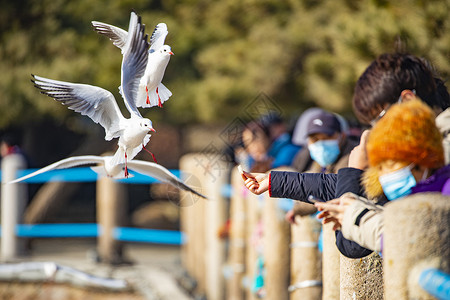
x=407 y=95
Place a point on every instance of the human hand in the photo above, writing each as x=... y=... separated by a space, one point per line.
x=257 y=183
x=358 y=156
x=334 y=210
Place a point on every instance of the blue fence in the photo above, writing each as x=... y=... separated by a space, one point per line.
x=92 y=230
x=141 y=235
x=84 y=175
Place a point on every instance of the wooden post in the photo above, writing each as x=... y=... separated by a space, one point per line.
x=416 y=236
x=111 y=213
x=14 y=198
x=361 y=278
x=306 y=259
x=330 y=264
x=236 y=259
x=276 y=239
x=216 y=215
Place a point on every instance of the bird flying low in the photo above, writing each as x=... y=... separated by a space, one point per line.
x=106 y=168
x=151 y=91
x=100 y=105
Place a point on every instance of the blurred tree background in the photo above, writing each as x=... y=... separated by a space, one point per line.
x=300 y=53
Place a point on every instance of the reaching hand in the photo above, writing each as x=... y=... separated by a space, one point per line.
x=334 y=210
x=257 y=183
x=358 y=157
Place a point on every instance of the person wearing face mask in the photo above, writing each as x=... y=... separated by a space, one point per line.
x=328 y=146
x=327 y=151
x=406 y=156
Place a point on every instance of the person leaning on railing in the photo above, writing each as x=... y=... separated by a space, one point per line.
x=406 y=157
x=389 y=79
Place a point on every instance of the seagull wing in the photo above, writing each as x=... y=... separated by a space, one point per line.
x=135 y=56
x=117 y=35
x=161 y=173
x=158 y=37
x=92 y=101
x=70 y=162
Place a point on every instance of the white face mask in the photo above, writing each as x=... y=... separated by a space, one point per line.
x=398 y=184
x=325 y=152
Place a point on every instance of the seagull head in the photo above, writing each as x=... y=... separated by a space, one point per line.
x=146 y=125
x=166 y=50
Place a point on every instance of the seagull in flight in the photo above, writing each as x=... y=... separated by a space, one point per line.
x=100 y=104
x=151 y=91
x=105 y=167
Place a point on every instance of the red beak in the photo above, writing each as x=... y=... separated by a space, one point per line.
x=171 y=53
x=152 y=129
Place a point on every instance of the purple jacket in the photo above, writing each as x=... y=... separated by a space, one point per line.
x=438 y=182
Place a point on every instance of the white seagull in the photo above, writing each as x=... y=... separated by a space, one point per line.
x=106 y=168
x=151 y=91
x=100 y=104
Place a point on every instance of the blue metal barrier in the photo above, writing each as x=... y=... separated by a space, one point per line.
x=167 y=237
x=84 y=174
x=92 y=230
x=57 y=230
x=436 y=282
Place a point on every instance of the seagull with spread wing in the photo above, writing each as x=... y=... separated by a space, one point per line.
x=106 y=168
x=100 y=104
x=151 y=91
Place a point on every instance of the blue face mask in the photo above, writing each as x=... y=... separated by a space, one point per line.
x=398 y=183
x=324 y=152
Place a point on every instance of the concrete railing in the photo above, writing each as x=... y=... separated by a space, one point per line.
x=264 y=256
x=292 y=259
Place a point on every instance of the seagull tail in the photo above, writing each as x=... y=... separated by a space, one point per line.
x=154 y=98
x=100 y=170
x=118 y=158
x=164 y=93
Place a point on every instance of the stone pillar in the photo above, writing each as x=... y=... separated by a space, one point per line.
x=253 y=218
x=276 y=240
x=330 y=264
x=194 y=168
x=237 y=245
x=416 y=236
x=216 y=214
x=306 y=260
x=361 y=278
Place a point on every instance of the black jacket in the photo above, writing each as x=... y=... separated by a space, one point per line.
x=349 y=180
x=299 y=186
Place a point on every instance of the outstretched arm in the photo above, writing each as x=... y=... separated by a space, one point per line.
x=257 y=183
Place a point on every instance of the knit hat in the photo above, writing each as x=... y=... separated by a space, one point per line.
x=407 y=133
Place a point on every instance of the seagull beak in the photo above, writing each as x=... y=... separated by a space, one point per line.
x=152 y=129
x=171 y=53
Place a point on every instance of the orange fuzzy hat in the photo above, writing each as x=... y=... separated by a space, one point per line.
x=407 y=133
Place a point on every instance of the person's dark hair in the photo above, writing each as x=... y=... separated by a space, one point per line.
x=384 y=80
x=256 y=127
x=11 y=139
